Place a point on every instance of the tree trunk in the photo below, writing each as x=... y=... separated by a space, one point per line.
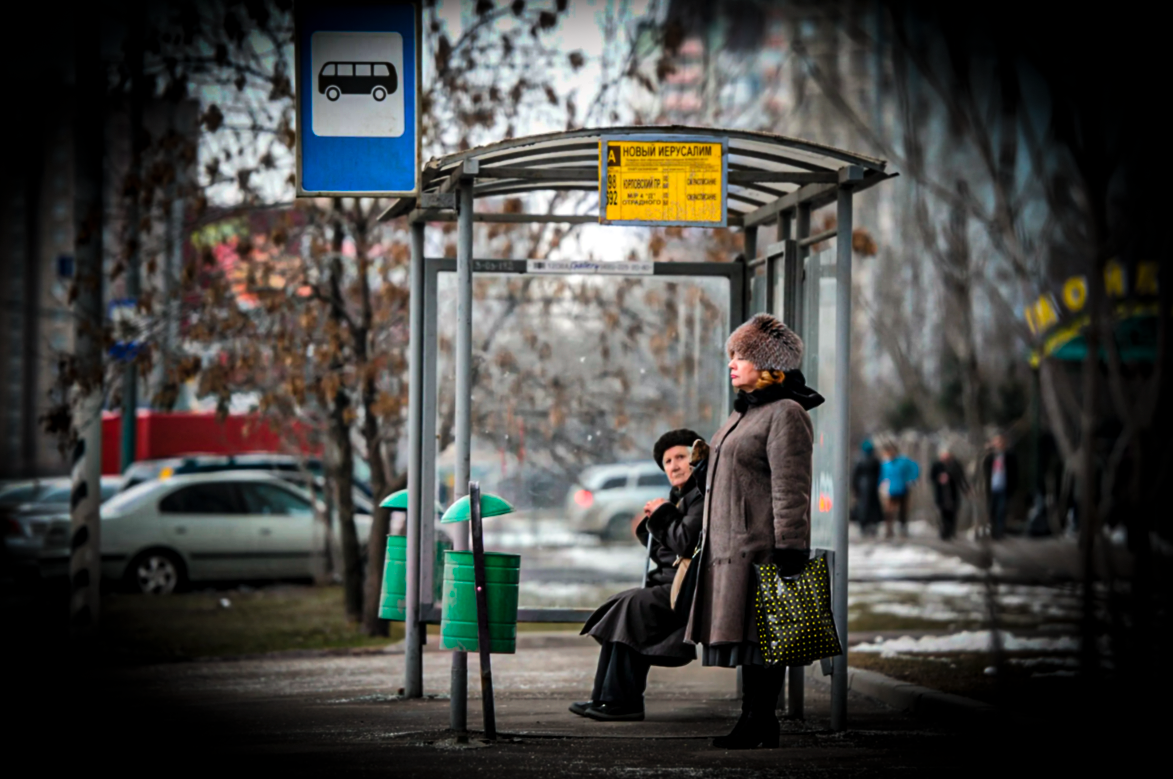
x=341 y=416
x=381 y=517
x=377 y=559
x=344 y=480
x=89 y=121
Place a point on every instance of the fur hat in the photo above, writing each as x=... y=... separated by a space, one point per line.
x=767 y=343
x=682 y=437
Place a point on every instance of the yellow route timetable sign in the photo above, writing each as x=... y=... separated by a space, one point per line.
x=647 y=181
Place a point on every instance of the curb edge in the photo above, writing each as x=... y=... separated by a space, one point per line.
x=911 y=698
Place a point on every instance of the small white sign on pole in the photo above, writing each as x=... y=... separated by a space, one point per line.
x=584 y=266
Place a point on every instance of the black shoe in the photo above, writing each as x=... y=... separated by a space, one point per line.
x=616 y=712
x=580 y=707
x=753 y=730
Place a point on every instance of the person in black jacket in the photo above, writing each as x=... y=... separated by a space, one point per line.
x=865 y=485
x=1000 y=468
x=949 y=483
x=638 y=628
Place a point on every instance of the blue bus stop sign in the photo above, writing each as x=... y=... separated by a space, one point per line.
x=357 y=83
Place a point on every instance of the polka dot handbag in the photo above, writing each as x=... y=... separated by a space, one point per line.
x=794 y=620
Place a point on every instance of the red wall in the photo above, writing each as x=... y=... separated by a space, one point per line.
x=160 y=434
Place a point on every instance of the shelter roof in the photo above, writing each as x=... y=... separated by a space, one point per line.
x=764 y=170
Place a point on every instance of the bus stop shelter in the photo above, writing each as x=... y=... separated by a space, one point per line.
x=768 y=181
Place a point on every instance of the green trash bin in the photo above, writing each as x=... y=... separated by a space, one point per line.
x=393 y=602
x=458 y=621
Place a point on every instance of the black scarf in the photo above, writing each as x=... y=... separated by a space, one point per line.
x=676 y=493
x=793 y=387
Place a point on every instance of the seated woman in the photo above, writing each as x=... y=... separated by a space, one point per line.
x=637 y=628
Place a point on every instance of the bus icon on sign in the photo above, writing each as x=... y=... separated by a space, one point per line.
x=377 y=79
x=356 y=84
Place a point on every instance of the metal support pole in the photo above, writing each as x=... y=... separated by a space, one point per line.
x=779 y=307
x=737 y=310
x=840 y=468
x=770 y=279
x=795 y=270
x=751 y=289
x=796 y=280
x=428 y=443
x=458 y=718
x=413 y=686
x=484 y=644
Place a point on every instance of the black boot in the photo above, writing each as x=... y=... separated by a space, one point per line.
x=758 y=725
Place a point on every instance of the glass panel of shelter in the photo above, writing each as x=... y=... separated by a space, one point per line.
x=814 y=320
x=819 y=324
x=623 y=359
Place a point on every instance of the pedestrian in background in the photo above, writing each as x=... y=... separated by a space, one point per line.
x=897 y=476
x=757 y=510
x=1000 y=468
x=949 y=483
x=638 y=628
x=865 y=486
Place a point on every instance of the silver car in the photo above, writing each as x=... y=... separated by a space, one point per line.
x=606 y=498
x=227 y=525
x=30 y=510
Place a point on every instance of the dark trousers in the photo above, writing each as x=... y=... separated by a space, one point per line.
x=897 y=509
x=997 y=514
x=621 y=676
x=948 y=523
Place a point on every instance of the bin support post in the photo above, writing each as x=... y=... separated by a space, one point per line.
x=842 y=401
x=484 y=646
x=458 y=709
x=413 y=686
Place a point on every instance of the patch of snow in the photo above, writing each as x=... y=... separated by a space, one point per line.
x=1034 y=662
x=895 y=560
x=566 y=595
x=625 y=561
x=968 y=641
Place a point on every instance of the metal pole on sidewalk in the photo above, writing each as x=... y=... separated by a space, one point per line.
x=840 y=471
x=458 y=711
x=484 y=646
x=795 y=708
x=413 y=684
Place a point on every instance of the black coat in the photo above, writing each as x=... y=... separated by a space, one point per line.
x=947 y=491
x=642 y=617
x=1011 y=464
x=865 y=485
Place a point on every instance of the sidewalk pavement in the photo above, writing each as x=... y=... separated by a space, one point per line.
x=312 y=715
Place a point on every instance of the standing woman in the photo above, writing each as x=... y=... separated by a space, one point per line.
x=757 y=510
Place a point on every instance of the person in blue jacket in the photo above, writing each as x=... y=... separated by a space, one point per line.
x=897 y=476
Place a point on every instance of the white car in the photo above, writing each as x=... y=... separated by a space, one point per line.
x=202 y=527
x=606 y=498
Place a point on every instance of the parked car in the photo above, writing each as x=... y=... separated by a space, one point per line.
x=27 y=513
x=284 y=465
x=224 y=525
x=606 y=498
